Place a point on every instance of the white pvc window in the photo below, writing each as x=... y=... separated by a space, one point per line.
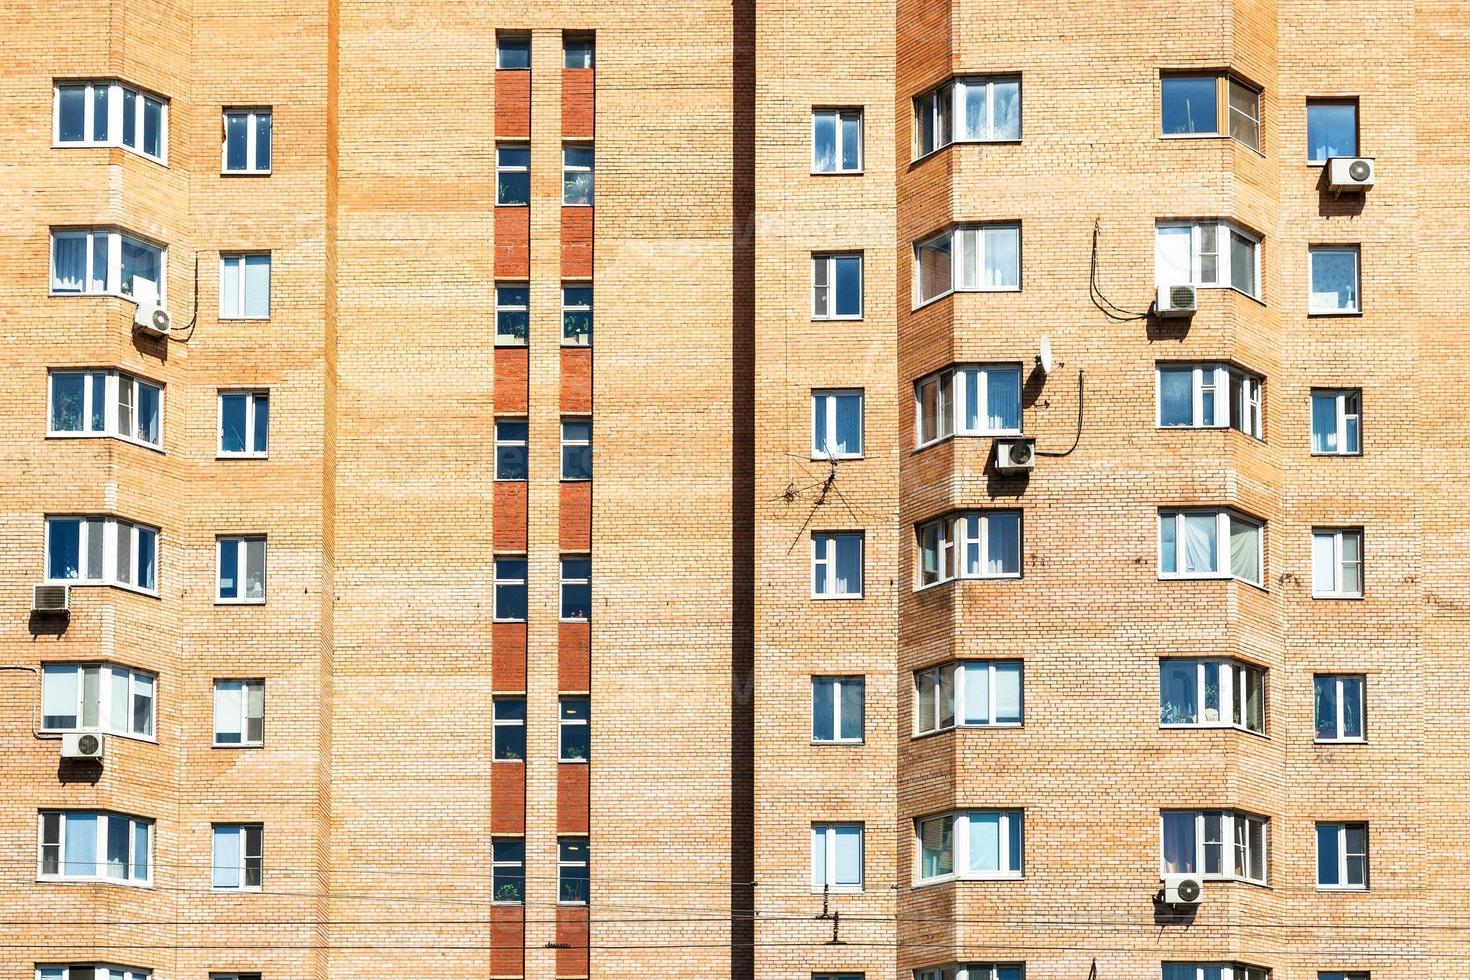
x=968 y=400
x=837 y=565
x=244 y=424
x=969 y=694
x=1337 y=421
x=510 y=590
x=239 y=857
x=239 y=713
x=1212 y=693
x=1206 y=396
x=576 y=314
x=1207 y=254
x=577 y=163
x=973 y=971
x=105 y=261
x=93 y=971
x=837 y=857
x=1209 y=544
x=97 y=697
x=837 y=709
x=837 y=286
x=82 y=845
x=1334 y=279
x=837 y=423
x=973 y=544
x=968 y=110
x=1214 y=971
x=246 y=146
x=576 y=449
x=1337 y=563
x=576 y=588
x=512 y=175
x=971 y=844
x=512 y=313
x=573 y=871
x=245 y=286
x=1337 y=707
x=968 y=258
x=105 y=403
x=101 y=551
x=837 y=141
x=1342 y=856
x=1216 y=844
x=241 y=569
x=106 y=113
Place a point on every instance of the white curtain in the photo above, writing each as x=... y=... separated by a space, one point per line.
x=984 y=842
x=1179 y=844
x=1173 y=265
x=1245 y=550
x=228 y=698
x=1199 y=543
x=226 y=857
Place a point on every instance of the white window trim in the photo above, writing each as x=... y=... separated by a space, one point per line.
x=969 y=971
x=1337 y=534
x=1231 y=690
x=114 y=124
x=562 y=864
x=110 y=527
x=112 y=283
x=1223 y=266
x=241 y=260
x=1223 y=516
x=105 y=722
x=567 y=307
x=1229 y=970
x=101 y=859
x=1316 y=102
x=1341 y=395
x=563 y=581
x=1222 y=80
x=112 y=388
x=1228 y=844
x=563 y=723
x=839 y=683
x=240 y=542
x=251 y=397
x=1223 y=378
x=569 y=168
x=824 y=406
x=502 y=169
x=1341 y=721
x=251 y=139
x=510 y=444
x=102 y=971
x=828 y=262
x=574 y=444
x=1342 y=855
x=960 y=847
x=1356 y=308
x=960 y=670
x=828 y=556
x=498 y=722
x=956 y=381
x=240 y=830
x=828 y=833
x=505 y=340
x=838 y=112
x=496 y=580
x=919 y=302
x=954 y=540
x=948 y=94
x=244 y=719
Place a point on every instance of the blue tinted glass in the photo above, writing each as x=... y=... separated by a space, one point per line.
x=1176 y=396
x=1003 y=399
x=263 y=141
x=1327 y=854
x=822 y=692
x=1332 y=131
x=849 y=285
x=236 y=140
x=1189 y=104
x=71 y=114
x=232 y=423
x=63 y=548
x=262 y=422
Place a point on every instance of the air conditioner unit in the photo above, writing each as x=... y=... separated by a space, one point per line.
x=1176 y=301
x=152 y=320
x=83 y=745
x=51 y=599
x=1349 y=173
x=1015 y=455
x=1183 y=889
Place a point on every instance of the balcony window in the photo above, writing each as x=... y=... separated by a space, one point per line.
x=968 y=400
x=968 y=694
x=81 y=845
x=107 y=113
x=1209 y=544
x=1191 y=106
x=973 y=545
x=1212 y=693
x=968 y=110
x=98 y=697
x=101 y=551
x=105 y=403
x=1207 y=254
x=969 y=258
x=970 y=844
x=102 y=261
x=1216 y=844
x=1205 y=396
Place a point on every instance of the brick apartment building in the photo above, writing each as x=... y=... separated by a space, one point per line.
x=564 y=532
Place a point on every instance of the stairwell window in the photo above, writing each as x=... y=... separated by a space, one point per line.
x=1209 y=396
x=510 y=590
x=837 y=423
x=1213 y=104
x=837 y=857
x=1332 y=129
x=239 y=713
x=245 y=286
x=573 y=877
x=513 y=52
x=968 y=110
x=101 y=551
x=106 y=113
x=83 y=845
x=1337 y=707
x=1337 y=563
x=576 y=314
x=105 y=403
x=575 y=729
x=576 y=449
x=969 y=694
x=1210 y=544
x=508 y=870
x=968 y=400
x=1342 y=856
x=512 y=175
x=837 y=565
x=239 y=857
x=973 y=971
x=98 y=697
x=1214 y=971
x=576 y=588
x=974 y=544
x=837 y=710
x=105 y=261
x=241 y=570
x=92 y=971
x=1334 y=275
x=968 y=258
x=1215 y=844
x=1207 y=254
x=510 y=450
x=1337 y=417
x=512 y=314
x=837 y=141
x=969 y=845
x=578 y=51
x=247 y=142
x=1212 y=693
x=576 y=175
x=837 y=286
x=244 y=424
x=510 y=729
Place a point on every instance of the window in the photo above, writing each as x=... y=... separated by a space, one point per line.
x=837 y=423
x=238 y=856
x=1332 y=130
x=973 y=544
x=510 y=729
x=510 y=590
x=1342 y=856
x=969 y=694
x=837 y=709
x=241 y=569
x=1212 y=693
x=95 y=971
x=1192 y=544
x=111 y=114
x=969 y=400
x=576 y=175
x=1191 y=107
x=512 y=313
x=970 y=258
x=1355 y=975
x=983 y=110
x=1338 y=707
x=970 y=844
x=239 y=713
x=508 y=870
x=1334 y=272
x=1219 y=844
x=972 y=971
x=837 y=565
x=513 y=52
x=510 y=449
x=1209 y=396
x=573 y=882
x=1207 y=254
x=100 y=697
x=101 y=551
x=244 y=423
x=78 y=845
x=1337 y=563
x=837 y=286
x=578 y=51
x=576 y=733
x=837 y=857
x=245 y=286
x=576 y=449
x=1336 y=421
x=105 y=403
x=837 y=141
x=1214 y=971
x=234 y=976
x=98 y=261
x=837 y=976
x=247 y=144
x=576 y=314
x=576 y=589
x=512 y=175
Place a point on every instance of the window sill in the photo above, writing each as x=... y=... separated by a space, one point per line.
x=1211 y=578
x=570 y=905
x=1356 y=455
x=837 y=741
x=237 y=745
x=836 y=598
x=1009 y=577
x=588 y=207
x=948 y=879
x=573 y=762
x=576 y=345
x=836 y=173
x=1339 y=596
x=220 y=890
x=1214 y=727
x=245 y=173
x=238 y=602
x=825 y=458
x=161 y=161
x=68 y=880
x=857 y=318
x=838 y=890
x=511 y=622
x=107 y=435
x=1343 y=889
x=523 y=204
x=1325 y=313
x=242 y=456
x=1339 y=741
x=576 y=479
x=243 y=319
x=573 y=619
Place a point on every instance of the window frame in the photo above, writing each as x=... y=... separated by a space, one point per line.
x=576 y=309
x=116 y=107
x=575 y=580
x=952 y=233
x=827 y=262
x=111 y=526
x=943 y=103
x=953 y=541
x=951 y=387
x=973 y=971
x=499 y=720
x=241 y=302
x=1223 y=518
x=253 y=115
x=243 y=868
x=103 y=820
x=1338 y=535
x=112 y=281
x=517 y=870
x=1230 y=672
x=1343 y=855
x=828 y=832
x=1314 y=102
x=506 y=442
x=574 y=444
x=838 y=114
x=952 y=675
x=496 y=581
x=589 y=40
x=1224 y=264
x=246 y=686
x=1223 y=79
x=107 y=671
x=101 y=971
x=828 y=559
x=1339 y=702
x=570 y=170
x=1342 y=430
x=502 y=168
x=241 y=543
x=113 y=380
x=503 y=39
x=1229 y=970
x=1231 y=845
x=959 y=846
x=1356 y=301
x=563 y=723
x=824 y=410
x=1226 y=382
x=502 y=306
x=253 y=398
x=565 y=865
x=839 y=684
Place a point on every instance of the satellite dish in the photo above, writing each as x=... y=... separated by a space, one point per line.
x=1044 y=359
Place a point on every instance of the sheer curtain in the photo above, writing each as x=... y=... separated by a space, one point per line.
x=1199 y=543
x=1173 y=265
x=1003 y=399
x=1245 y=550
x=985 y=842
x=1179 y=843
x=69 y=261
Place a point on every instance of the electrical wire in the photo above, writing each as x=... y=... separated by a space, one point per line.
x=1076 y=441
x=1117 y=313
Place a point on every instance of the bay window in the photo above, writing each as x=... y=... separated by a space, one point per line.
x=970 y=844
x=101 y=551
x=91 y=971
x=973 y=971
x=1337 y=707
x=1207 y=254
x=1337 y=416
x=105 y=403
x=1214 y=971
x=837 y=857
x=968 y=400
x=979 y=109
x=837 y=565
x=1215 y=844
x=97 y=697
x=970 y=544
x=108 y=113
x=1212 y=693
x=1342 y=856
x=84 y=845
x=238 y=857
x=239 y=713
x=968 y=258
x=1337 y=563
x=837 y=423
x=1194 y=543
x=241 y=569
x=106 y=261
x=1204 y=396
x=1213 y=104
x=968 y=694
